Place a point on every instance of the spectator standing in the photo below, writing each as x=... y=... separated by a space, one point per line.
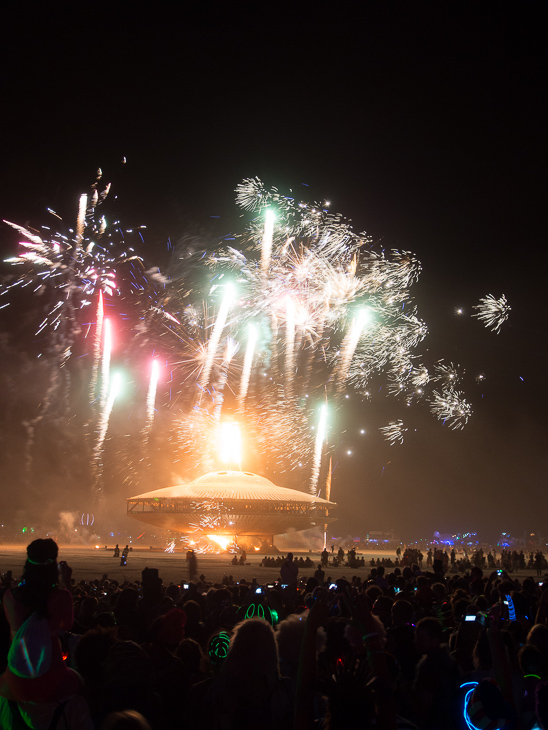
x=289 y=571
x=43 y=593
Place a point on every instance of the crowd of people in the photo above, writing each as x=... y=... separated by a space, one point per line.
x=402 y=647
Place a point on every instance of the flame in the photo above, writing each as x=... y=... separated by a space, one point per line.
x=223 y=542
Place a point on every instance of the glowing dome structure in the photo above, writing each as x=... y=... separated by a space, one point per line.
x=231 y=503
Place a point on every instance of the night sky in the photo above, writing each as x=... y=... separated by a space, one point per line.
x=423 y=122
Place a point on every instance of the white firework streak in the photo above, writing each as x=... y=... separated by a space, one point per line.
x=80 y=222
x=230 y=350
x=151 y=394
x=105 y=363
x=213 y=342
x=266 y=250
x=493 y=312
x=96 y=347
x=320 y=438
x=394 y=432
x=289 y=346
x=248 y=361
x=349 y=344
x=450 y=407
x=102 y=428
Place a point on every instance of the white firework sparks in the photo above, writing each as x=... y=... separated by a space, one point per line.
x=450 y=406
x=493 y=312
x=394 y=432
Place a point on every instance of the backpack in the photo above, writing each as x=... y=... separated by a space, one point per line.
x=29 y=655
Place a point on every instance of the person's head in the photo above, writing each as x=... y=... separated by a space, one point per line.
x=382 y=608
x=126 y=720
x=428 y=635
x=190 y=653
x=402 y=612
x=88 y=607
x=126 y=602
x=42 y=552
x=252 y=661
x=289 y=635
x=173 y=592
x=290 y=556
x=538 y=636
x=482 y=652
x=531 y=661
x=488 y=707
x=40 y=574
x=127 y=666
x=168 y=630
x=193 y=612
x=91 y=652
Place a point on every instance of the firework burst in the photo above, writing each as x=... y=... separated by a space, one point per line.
x=394 y=432
x=492 y=312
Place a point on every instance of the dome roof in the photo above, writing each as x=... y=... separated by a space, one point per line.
x=233 y=485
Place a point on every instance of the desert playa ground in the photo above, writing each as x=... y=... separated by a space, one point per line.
x=88 y=563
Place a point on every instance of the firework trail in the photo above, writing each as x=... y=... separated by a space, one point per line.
x=328 y=498
x=320 y=438
x=105 y=364
x=230 y=350
x=349 y=344
x=493 y=312
x=96 y=347
x=80 y=223
x=151 y=394
x=267 y=240
x=114 y=391
x=289 y=346
x=248 y=361
x=213 y=342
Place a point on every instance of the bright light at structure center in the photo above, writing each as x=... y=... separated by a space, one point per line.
x=222 y=542
x=230 y=444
